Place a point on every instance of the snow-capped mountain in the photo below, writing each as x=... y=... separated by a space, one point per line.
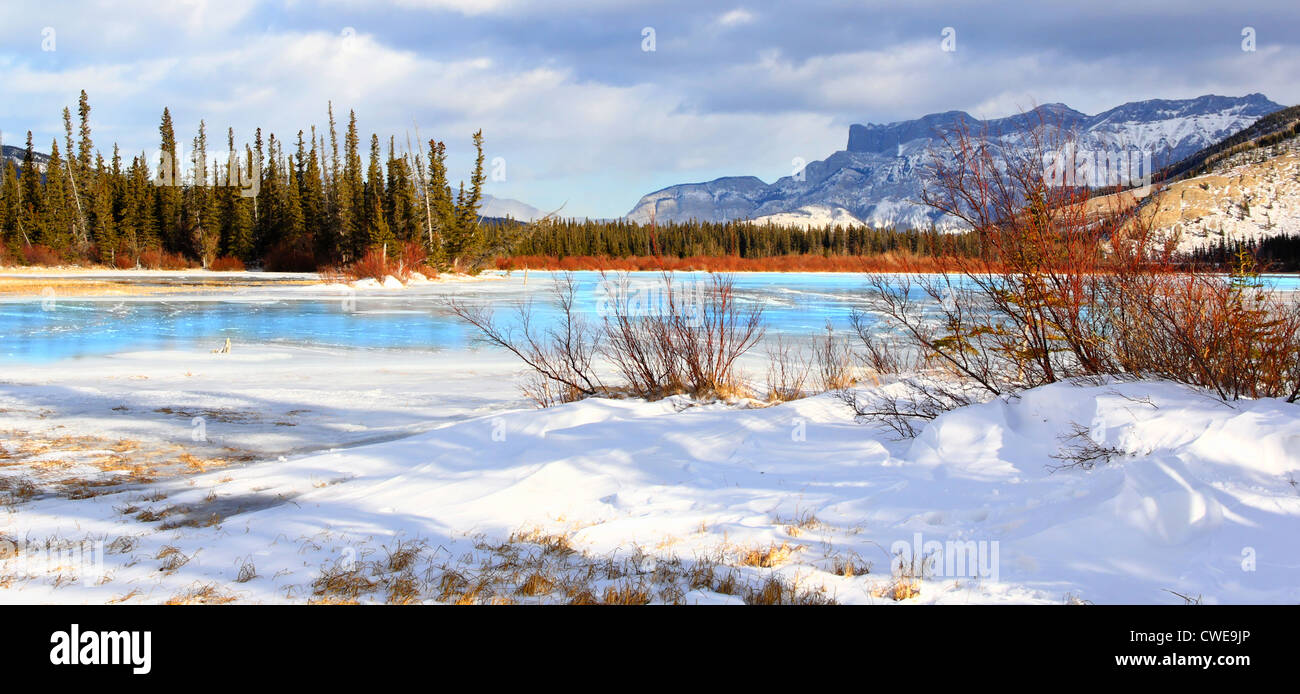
x=507 y=207
x=877 y=177
x=16 y=154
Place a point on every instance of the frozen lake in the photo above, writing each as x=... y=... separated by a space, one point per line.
x=48 y=327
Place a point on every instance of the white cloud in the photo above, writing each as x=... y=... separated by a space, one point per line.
x=736 y=17
x=576 y=116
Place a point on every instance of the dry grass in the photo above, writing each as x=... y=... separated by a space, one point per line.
x=172 y=559
x=551 y=543
x=135 y=592
x=901 y=588
x=768 y=557
x=247 y=572
x=403 y=589
x=201 y=594
x=801 y=523
x=848 y=568
x=536 y=584
x=627 y=593
x=403 y=555
x=17 y=489
x=8 y=547
x=343 y=581
x=122 y=545
x=150 y=515
x=535 y=566
x=83 y=467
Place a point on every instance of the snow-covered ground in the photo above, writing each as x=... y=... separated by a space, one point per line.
x=438 y=454
x=283 y=472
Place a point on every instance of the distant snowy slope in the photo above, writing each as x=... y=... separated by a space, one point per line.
x=1245 y=197
x=506 y=207
x=16 y=154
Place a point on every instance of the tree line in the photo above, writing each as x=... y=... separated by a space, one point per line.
x=621 y=238
x=288 y=206
x=1279 y=253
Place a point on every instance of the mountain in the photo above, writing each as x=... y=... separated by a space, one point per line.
x=1275 y=127
x=877 y=177
x=1245 y=193
x=505 y=207
x=16 y=154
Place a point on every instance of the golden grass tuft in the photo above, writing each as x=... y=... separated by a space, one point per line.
x=768 y=557
x=536 y=584
x=343 y=580
x=403 y=555
x=403 y=589
x=201 y=594
x=849 y=568
x=901 y=588
x=172 y=558
x=626 y=593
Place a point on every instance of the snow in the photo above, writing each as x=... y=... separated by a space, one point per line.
x=441 y=449
x=882 y=187
x=304 y=456
x=811 y=216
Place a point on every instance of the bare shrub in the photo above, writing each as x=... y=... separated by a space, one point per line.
x=562 y=355
x=227 y=263
x=1231 y=335
x=1080 y=450
x=288 y=257
x=1067 y=288
x=641 y=340
x=726 y=330
x=834 y=359
x=788 y=370
x=689 y=343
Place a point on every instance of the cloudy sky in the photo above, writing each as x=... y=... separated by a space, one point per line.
x=574 y=104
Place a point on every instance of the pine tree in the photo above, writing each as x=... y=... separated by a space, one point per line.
x=462 y=235
x=442 y=210
x=269 y=202
x=85 y=147
x=378 y=233
x=314 y=208
x=55 y=229
x=351 y=203
x=236 y=215
x=11 y=209
x=401 y=201
x=169 y=192
x=202 y=210
x=292 y=229
x=104 y=227
x=319 y=201
x=29 y=221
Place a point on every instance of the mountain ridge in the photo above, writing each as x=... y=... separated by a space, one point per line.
x=876 y=178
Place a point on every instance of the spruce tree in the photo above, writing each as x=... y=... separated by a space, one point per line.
x=169 y=192
x=314 y=207
x=56 y=219
x=378 y=233
x=29 y=221
x=351 y=203
x=11 y=209
x=85 y=147
x=104 y=227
